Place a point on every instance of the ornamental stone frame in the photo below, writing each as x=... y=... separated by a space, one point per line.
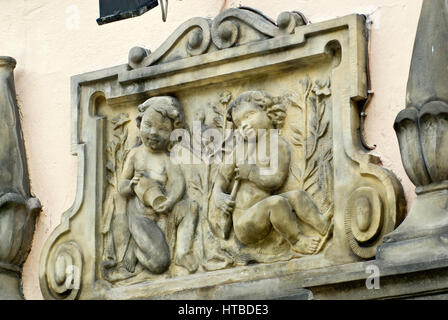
x=142 y=227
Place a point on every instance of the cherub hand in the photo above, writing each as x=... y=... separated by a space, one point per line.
x=224 y=202
x=164 y=207
x=242 y=171
x=136 y=179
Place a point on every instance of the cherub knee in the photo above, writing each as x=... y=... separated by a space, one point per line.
x=280 y=210
x=245 y=234
x=278 y=202
x=160 y=262
x=249 y=230
x=157 y=260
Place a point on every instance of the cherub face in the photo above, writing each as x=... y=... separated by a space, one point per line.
x=250 y=118
x=155 y=130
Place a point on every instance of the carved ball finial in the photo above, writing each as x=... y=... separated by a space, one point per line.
x=137 y=54
x=283 y=20
x=288 y=21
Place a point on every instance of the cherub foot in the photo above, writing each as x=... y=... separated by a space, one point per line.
x=129 y=262
x=217 y=261
x=119 y=274
x=188 y=261
x=306 y=245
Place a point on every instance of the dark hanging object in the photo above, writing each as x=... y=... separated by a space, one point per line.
x=114 y=10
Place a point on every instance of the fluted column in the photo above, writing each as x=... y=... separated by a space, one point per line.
x=422 y=131
x=18 y=209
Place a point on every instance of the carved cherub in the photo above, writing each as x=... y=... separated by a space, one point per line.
x=154 y=187
x=255 y=211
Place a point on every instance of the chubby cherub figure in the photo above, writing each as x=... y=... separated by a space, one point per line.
x=154 y=187
x=255 y=211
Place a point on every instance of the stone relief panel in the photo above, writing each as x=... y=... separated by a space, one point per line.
x=230 y=154
x=294 y=211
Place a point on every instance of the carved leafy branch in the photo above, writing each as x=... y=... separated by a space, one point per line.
x=116 y=153
x=212 y=116
x=312 y=104
x=325 y=179
x=317 y=128
x=116 y=149
x=197 y=184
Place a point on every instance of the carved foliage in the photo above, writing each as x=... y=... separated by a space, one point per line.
x=313 y=171
x=17 y=218
x=114 y=227
x=423 y=140
x=212 y=223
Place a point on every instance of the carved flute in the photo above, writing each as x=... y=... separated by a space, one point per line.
x=235 y=190
x=236 y=185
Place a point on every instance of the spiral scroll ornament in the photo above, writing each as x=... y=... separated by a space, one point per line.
x=226 y=34
x=198 y=35
x=64 y=271
x=364 y=215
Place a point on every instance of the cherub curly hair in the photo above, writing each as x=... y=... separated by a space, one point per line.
x=168 y=107
x=275 y=110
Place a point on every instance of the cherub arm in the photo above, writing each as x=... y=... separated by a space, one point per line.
x=175 y=186
x=127 y=177
x=223 y=178
x=222 y=199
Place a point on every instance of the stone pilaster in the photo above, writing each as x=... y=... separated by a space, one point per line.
x=422 y=131
x=18 y=209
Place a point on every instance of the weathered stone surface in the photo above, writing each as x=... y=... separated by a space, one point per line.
x=366 y=280
x=426 y=78
x=18 y=209
x=422 y=130
x=10 y=286
x=145 y=226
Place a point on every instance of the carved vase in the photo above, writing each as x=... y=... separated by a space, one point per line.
x=422 y=131
x=18 y=210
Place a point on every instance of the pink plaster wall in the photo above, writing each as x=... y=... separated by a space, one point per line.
x=53 y=40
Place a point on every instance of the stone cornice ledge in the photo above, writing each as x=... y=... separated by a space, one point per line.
x=345 y=282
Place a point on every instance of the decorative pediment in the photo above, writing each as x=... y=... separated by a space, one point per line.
x=231 y=28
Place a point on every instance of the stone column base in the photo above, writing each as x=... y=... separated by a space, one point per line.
x=10 y=286
x=423 y=236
